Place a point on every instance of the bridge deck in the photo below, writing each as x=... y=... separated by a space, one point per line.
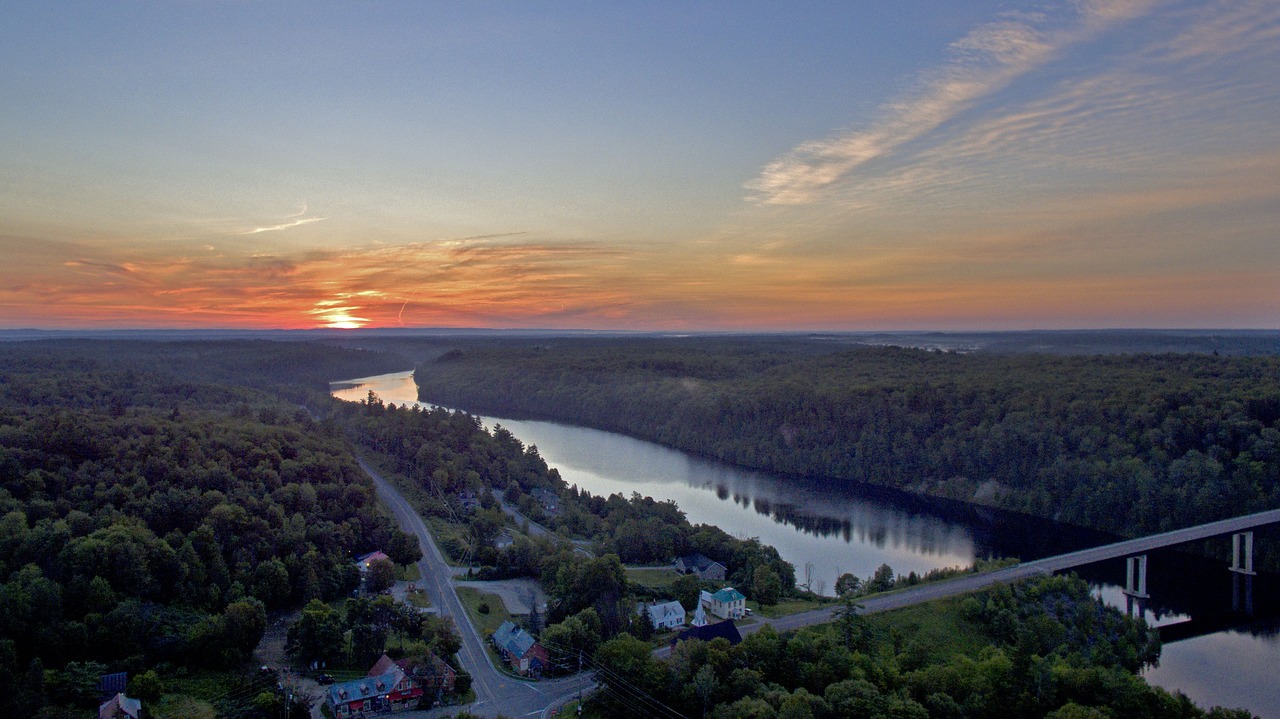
x=1049 y=565
x=1141 y=545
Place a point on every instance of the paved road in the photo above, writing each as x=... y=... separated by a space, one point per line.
x=496 y=692
x=535 y=529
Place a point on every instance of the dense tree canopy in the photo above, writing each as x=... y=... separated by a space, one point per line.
x=1124 y=443
x=149 y=518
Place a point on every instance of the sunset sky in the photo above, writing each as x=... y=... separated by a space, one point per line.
x=640 y=165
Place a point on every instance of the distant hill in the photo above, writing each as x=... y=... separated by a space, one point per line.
x=1121 y=341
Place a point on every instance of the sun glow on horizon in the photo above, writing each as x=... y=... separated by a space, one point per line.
x=337 y=318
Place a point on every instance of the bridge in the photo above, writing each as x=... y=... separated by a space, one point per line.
x=1133 y=550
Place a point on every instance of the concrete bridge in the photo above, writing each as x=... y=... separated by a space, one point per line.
x=1133 y=550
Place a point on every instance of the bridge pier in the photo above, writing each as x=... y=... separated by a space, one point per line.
x=1135 y=580
x=1242 y=594
x=1242 y=549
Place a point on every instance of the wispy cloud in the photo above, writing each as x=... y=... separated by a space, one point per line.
x=983 y=62
x=284 y=225
x=296 y=219
x=1224 y=28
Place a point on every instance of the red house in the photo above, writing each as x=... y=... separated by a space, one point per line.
x=387 y=688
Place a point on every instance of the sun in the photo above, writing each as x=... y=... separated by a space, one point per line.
x=338 y=318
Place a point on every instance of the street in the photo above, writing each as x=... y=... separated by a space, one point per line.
x=496 y=693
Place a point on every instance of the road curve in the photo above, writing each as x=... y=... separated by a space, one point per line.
x=496 y=692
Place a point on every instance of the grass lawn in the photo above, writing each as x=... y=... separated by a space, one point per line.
x=653 y=577
x=786 y=607
x=181 y=706
x=486 y=624
x=195 y=694
x=410 y=573
x=937 y=630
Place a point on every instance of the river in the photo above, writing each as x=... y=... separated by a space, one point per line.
x=825 y=531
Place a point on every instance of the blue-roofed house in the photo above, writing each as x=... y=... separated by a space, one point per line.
x=728 y=603
x=520 y=649
x=388 y=689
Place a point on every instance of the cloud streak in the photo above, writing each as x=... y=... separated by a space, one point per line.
x=983 y=62
x=284 y=225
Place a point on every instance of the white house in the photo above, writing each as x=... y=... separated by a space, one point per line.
x=667 y=615
x=728 y=603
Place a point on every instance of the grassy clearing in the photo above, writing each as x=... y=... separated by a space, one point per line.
x=181 y=706
x=411 y=573
x=486 y=624
x=659 y=578
x=786 y=607
x=935 y=630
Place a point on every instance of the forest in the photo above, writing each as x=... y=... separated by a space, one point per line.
x=1128 y=444
x=160 y=501
x=151 y=516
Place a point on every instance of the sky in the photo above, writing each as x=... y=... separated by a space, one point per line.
x=650 y=166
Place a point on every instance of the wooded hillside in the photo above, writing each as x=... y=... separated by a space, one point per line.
x=1124 y=443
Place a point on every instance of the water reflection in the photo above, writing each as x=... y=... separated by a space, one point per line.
x=831 y=529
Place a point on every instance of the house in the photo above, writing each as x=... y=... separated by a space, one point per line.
x=548 y=499
x=469 y=500
x=120 y=707
x=504 y=540
x=701 y=567
x=387 y=691
x=364 y=560
x=664 y=615
x=520 y=649
x=728 y=603
x=430 y=674
x=721 y=630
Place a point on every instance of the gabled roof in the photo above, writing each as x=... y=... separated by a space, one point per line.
x=120 y=704
x=696 y=562
x=724 y=630
x=503 y=633
x=665 y=609
x=513 y=639
x=728 y=594
x=366 y=688
x=372 y=557
x=385 y=665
